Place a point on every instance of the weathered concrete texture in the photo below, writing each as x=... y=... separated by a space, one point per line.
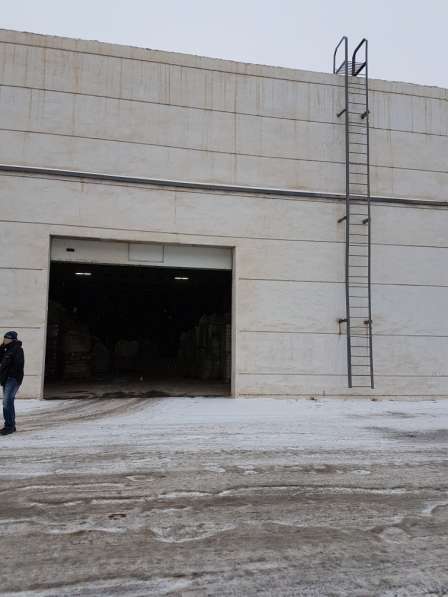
x=214 y=120
x=224 y=497
x=98 y=107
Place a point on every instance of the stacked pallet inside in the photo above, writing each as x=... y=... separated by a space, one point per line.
x=77 y=353
x=204 y=353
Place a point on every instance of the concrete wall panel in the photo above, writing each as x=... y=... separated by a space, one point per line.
x=23 y=245
x=324 y=262
x=174 y=126
x=23 y=297
x=161 y=82
x=286 y=260
x=76 y=204
x=325 y=354
x=409 y=112
x=290 y=306
x=30 y=388
x=410 y=265
x=130 y=159
x=316 y=307
x=405 y=225
x=336 y=385
x=154 y=114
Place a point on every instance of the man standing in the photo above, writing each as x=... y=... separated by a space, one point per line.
x=12 y=362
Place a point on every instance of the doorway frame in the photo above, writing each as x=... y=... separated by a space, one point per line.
x=234 y=296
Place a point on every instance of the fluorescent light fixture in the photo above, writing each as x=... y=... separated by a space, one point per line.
x=181 y=278
x=83 y=273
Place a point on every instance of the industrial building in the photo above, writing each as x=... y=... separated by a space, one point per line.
x=179 y=224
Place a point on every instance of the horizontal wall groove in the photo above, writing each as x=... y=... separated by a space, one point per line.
x=342 y=282
x=196 y=234
x=272 y=76
x=164 y=146
x=173 y=105
x=19 y=268
x=344 y=393
x=216 y=151
x=217 y=110
x=18 y=326
x=340 y=375
x=336 y=333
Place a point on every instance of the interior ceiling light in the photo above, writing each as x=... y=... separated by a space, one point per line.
x=181 y=278
x=83 y=273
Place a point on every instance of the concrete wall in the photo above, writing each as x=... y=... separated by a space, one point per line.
x=96 y=107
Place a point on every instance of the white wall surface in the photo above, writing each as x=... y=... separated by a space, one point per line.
x=97 y=107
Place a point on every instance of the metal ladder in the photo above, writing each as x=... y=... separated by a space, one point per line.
x=357 y=217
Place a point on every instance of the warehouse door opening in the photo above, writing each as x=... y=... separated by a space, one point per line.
x=126 y=330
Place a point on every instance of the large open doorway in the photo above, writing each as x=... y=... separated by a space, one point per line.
x=137 y=330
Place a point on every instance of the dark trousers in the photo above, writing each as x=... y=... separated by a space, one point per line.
x=9 y=393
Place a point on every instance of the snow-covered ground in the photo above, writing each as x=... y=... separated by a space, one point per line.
x=192 y=496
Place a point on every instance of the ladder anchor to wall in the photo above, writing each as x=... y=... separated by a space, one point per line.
x=354 y=72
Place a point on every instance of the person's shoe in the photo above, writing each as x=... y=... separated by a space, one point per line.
x=7 y=430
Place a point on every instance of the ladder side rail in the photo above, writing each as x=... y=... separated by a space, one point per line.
x=347 y=216
x=369 y=222
x=344 y=40
x=356 y=69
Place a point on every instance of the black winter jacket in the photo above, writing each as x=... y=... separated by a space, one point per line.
x=12 y=362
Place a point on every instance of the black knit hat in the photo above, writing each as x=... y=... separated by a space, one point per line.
x=11 y=335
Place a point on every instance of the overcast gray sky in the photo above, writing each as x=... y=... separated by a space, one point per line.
x=408 y=38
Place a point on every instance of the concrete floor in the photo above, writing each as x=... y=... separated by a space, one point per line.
x=132 y=388
x=225 y=497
